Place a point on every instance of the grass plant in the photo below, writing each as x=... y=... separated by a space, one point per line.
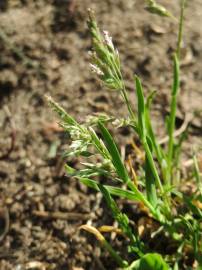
x=178 y=215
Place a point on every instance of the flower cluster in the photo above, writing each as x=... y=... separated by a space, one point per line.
x=157 y=9
x=79 y=134
x=105 y=60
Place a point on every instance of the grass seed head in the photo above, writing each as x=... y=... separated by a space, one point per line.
x=105 y=61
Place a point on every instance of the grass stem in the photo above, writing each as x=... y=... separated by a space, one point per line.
x=180 y=32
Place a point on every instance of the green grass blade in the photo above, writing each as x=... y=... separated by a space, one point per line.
x=176 y=71
x=157 y=148
x=151 y=167
x=141 y=108
x=114 y=153
x=119 y=166
x=172 y=117
x=150 y=185
x=126 y=194
x=197 y=174
x=180 y=31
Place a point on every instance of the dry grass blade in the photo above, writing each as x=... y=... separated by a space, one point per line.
x=109 y=229
x=94 y=231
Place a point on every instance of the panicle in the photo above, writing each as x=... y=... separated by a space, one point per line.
x=157 y=9
x=104 y=56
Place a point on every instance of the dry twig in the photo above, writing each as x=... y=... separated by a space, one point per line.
x=61 y=215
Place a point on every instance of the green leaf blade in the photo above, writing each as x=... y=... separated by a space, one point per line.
x=150 y=261
x=141 y=108
x=114 y=153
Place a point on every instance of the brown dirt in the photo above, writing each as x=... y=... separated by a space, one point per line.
x=44 y=47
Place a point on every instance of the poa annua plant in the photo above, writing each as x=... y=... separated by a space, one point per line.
x=160 y=194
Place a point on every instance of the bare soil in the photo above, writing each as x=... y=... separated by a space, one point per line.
x=44 y=45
